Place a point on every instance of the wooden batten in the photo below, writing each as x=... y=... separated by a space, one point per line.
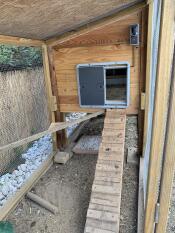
x=20 y=41
x=148 y=72
x=168 y=164
x=12 y=202
x=54 y=127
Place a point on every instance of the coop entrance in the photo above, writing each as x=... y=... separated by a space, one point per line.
x=116 y=85
x=104 y=85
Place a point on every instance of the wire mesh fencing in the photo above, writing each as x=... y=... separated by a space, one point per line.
x=23 y=113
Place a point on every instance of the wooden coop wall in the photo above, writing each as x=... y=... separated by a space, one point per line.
x=110 y=43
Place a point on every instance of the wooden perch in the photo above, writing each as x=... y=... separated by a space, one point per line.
x=54 y=127
x=40 y=201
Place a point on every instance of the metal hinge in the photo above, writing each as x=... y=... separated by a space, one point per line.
x=157 y=211
x=54 y=104
x=143 y=95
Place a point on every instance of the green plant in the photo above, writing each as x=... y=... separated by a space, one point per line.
x=20 y=56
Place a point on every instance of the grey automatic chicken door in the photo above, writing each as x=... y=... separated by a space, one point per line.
x=104 y=85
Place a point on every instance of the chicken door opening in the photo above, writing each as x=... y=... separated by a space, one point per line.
x=116 y=85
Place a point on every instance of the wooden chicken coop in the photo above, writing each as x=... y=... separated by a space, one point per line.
x=115 y=57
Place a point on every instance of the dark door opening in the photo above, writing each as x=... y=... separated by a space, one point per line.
x=116 y=85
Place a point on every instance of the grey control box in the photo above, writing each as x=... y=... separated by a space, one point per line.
x=134 y=34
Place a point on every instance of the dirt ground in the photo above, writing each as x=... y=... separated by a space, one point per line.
x=171 y=219
x=69 y=187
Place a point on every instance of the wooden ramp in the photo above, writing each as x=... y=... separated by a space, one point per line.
x=103 y=215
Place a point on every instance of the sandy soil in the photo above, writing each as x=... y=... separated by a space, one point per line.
x=69 y=187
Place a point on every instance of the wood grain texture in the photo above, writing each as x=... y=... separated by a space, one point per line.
x=61 y=138
x=48 y=81
x=20 y=41
x=103 y=214
x=111 y=35
x=142 y=84
x=168 y=163
x=66 y=60
x=165 y=56
x=48 y=87
x=104 y=43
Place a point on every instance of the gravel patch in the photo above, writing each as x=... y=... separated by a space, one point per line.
x=33 y=157
x=88 y=145
x=71 y=117
x=69 y=187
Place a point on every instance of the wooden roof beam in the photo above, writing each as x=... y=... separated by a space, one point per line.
x=95 y=25
x=20 y=41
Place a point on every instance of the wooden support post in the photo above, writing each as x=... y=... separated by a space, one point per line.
x=142 y=79
x=48 y=89
x=148 y=73
x=59 y=117
x=168 y=165
x=165 y=55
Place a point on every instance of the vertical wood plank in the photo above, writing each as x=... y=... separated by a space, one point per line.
x=148 y=72
x=59 y=117
x=142 y=80
x=160 y=111
x=48 y=88
x=168 y=165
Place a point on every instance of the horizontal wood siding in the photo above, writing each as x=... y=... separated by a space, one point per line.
x=92 y=49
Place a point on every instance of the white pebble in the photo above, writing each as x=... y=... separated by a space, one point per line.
x=23 y=167
x=5 y=190
x=1 y=196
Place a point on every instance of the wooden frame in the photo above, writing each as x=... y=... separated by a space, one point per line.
x=54 y=127
x=48 y=81
x=160 y=111
x=49 y=90
x=20 y=41
x=168 y=164
x=14 y=200
x=11 y=204
x=142 y=84
x=60 y=136
x=148 y=72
